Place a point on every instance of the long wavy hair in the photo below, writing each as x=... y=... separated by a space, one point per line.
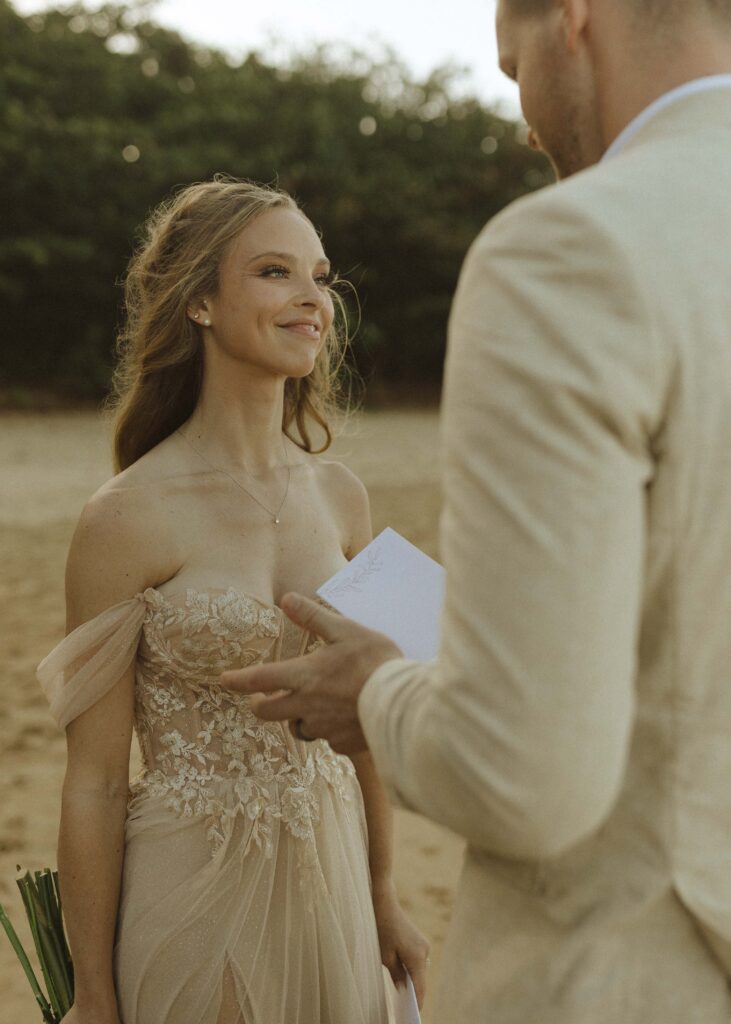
x=157 y=382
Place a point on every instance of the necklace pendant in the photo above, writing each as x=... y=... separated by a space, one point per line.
x=276 y=522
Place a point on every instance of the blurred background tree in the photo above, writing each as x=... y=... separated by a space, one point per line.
x=103 y=112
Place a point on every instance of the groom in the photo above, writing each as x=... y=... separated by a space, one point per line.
x=576 y=726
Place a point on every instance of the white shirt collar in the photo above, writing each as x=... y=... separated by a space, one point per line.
x=688 y=89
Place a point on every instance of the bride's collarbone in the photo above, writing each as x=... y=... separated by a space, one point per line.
x=209 y=543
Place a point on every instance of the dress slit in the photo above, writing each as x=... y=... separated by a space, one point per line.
x=230 y=1010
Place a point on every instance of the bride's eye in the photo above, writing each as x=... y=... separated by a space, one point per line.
x=276 y=270
x=326 y=280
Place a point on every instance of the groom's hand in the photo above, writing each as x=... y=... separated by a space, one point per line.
x=321 y=689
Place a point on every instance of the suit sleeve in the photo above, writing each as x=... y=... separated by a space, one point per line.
x=516 y=737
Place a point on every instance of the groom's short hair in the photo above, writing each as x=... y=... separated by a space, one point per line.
x=528 y=7
x=653 y=8
x=660 y=9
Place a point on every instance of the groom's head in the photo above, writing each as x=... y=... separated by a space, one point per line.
x=585 y=68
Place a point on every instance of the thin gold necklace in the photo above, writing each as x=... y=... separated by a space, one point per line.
x=219 y=469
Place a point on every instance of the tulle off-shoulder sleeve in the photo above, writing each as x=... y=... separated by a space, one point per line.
x=91 y=659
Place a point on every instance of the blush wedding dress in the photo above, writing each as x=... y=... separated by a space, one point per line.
x=245 y=891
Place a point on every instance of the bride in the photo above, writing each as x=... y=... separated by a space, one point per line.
x=245 y=875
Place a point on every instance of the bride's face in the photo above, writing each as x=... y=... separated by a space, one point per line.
x=273 y=307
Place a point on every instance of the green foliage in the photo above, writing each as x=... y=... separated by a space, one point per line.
x=103 y=112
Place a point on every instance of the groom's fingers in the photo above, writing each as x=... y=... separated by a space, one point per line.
x=331 y=626
x=278 y=708
x=275 y=675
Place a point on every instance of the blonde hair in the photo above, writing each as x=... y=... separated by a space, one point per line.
x=157 y=382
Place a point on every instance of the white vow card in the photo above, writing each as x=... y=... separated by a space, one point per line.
x=392 y=587
x=406 y=1008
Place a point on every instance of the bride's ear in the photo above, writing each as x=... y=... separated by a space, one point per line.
x=198 y=312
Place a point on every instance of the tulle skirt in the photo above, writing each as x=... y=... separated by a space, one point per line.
x=246 y=934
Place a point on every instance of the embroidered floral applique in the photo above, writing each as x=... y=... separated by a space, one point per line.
x=159 y=703
x=205 y=752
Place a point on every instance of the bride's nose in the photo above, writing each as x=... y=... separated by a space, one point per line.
x=311 y=294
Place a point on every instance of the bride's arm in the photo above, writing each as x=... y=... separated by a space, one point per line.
x=100 y=573
x=91 y=845
x=379 y=818
x=354 y=506
x=400 y=941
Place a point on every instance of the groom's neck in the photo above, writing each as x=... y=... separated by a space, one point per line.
x=639 y=61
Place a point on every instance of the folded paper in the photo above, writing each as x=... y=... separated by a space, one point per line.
x=392 y=587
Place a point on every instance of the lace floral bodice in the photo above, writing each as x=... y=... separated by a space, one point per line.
x=203 y=749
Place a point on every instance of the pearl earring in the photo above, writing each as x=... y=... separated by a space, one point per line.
x=196 y=315
x=207 y=323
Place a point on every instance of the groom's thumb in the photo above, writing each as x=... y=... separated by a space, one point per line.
x=312 y=616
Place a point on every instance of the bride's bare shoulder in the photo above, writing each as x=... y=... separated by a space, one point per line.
x=122 y=542
x=138 y=493
x=338 y=481
x=347 y=498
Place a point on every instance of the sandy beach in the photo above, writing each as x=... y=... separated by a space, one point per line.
x=49 y=465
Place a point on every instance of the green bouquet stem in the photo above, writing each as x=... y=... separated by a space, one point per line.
x=42 y=902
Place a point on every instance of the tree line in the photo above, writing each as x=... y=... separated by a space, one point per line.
x=103 y=112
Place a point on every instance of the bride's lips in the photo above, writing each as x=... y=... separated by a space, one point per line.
x=305 y=327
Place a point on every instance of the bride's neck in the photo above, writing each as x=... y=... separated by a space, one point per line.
x=237 y=424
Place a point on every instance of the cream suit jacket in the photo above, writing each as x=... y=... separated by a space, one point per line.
x=576 y=726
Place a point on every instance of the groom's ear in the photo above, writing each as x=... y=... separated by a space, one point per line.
x=575 y=22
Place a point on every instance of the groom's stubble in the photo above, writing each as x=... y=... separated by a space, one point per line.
x=572 y=140
x=586 y=68
x=557 y=86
